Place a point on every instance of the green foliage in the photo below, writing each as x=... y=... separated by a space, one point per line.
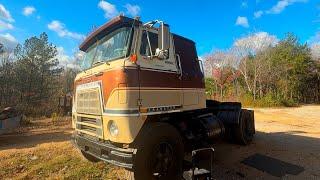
x=269 y=100
x=37 y=66
x=31 y=78
x=283 y=75
x=210 y=87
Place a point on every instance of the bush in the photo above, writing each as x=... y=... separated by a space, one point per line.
x=269 y=100
x=247 y=100
x=289 y=103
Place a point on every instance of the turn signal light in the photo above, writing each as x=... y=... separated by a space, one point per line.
x=143 y=110
x=133 y=58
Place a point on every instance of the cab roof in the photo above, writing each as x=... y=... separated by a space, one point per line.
x=105 y=29
x=108 y=27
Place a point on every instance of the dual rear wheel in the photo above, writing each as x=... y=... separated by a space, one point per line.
x=243 y=132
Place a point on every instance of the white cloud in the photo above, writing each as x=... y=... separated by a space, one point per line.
x=242 y=21
x=28 y=10
x=5 y=14
x=62 y=31
x=278 y=8
x=244 y=4
x=282 y=5
x=256 y=42
x=68 y=61
x=109 y=9
x=5 y=26
x=132 y=10
x=314 y=39
x=62 y=57
x=9 y=41
x=258 y=14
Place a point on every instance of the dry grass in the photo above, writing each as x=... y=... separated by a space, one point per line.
x=49 y=160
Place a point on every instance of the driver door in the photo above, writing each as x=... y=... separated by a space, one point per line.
x=159 y=78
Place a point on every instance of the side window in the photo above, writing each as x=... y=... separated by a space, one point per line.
x=145 y=49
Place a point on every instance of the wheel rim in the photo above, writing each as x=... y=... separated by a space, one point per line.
x=163 y=160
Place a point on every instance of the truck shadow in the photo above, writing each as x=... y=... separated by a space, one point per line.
x=285 y=146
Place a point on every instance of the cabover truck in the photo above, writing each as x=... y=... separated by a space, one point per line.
x=140 y=102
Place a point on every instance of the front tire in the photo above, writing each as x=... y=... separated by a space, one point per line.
x=160 y=153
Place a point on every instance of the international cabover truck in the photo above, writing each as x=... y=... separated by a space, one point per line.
x=140 y=102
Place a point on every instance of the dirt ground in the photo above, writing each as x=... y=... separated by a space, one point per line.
x=43 y=149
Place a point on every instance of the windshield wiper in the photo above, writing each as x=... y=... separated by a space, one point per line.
x=99 y=62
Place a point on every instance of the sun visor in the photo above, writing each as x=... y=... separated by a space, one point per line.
x=115 y=23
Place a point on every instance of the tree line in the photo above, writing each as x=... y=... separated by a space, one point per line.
x=260 y=72
x=31 y=78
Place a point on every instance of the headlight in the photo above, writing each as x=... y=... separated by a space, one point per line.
x=113 y=128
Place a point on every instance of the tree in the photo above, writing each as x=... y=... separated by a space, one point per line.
x=315 y=52
x=1 y=48
x=221 y=65
x=6 y=77
x=281 y=72
x=37 y=67
x=246 y=49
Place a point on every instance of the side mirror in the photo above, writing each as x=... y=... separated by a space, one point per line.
x=164 y=37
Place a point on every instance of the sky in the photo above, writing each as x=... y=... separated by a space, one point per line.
x=212 y=24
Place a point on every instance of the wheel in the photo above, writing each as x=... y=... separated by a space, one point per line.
x=90 y=157
x=244 y=132
x=160 y=153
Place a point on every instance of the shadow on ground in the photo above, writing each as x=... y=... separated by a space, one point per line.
x=19 y=141
x=285 y=146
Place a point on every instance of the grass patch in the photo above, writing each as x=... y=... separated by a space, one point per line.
x=268 y=100
x=53 y=161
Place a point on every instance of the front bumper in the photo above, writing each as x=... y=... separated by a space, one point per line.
x=105 y=151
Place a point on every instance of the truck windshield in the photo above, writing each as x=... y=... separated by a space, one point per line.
x=113 y=46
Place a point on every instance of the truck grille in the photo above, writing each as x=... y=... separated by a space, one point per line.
x=88 y=101
x=90 y=126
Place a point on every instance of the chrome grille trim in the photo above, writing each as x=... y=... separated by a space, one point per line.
x=89 y=102
x=91 y=126
x=89 y=109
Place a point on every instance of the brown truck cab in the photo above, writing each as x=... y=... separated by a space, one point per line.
x=140 y=101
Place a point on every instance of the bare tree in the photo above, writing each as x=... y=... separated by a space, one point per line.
x=315 y=52
x=245 y=49
x=220 y=66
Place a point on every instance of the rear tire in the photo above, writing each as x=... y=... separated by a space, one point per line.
x=90 y=157
x=160 y=153
x=244 y=132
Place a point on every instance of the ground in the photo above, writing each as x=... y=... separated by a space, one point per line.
x=42 y=149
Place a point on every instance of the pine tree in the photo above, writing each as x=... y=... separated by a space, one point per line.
x=37 y=66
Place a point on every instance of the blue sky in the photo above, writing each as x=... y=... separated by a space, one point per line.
x=211 y=24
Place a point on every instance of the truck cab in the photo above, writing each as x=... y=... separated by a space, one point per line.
x=141 y=95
